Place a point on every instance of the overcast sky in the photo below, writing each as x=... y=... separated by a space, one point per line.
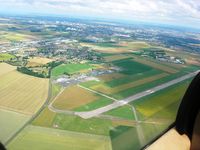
x=181 y=12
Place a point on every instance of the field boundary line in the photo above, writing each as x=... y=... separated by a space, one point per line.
x=34 y=115
x=93 y=91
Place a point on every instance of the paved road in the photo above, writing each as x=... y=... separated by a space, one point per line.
x=116 y=104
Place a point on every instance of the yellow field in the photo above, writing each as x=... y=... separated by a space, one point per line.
x=16 y=36
x=134 y=45
x=74 y=97
x=5 y=68
x=107 y=90
x=115 y=57
x=156 y=65
x=22 y=93
x=123 y=47
x=193 y=62
x=105 y=49
x=38 y=61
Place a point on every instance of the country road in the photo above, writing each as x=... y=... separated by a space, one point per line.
x=116 y=104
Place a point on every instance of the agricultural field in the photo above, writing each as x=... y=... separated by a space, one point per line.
x=110 y=77
x=5 y=68
x=105 y=49
x=101 y=102
x=157 y=65
x=55 y=90
x=131 y=74
x=123 y=132
x=155 y=112
x=6 y=56
x=66 y=73
x=10 y=123
x=16 y=37
x=125 y=79
x=74 y=123
x=166 y=102
x=134 y=46
x=125 y=112
x=22 y=93
x=107 y=90
x=136 y=137
x=121 y=47
x=160 y=106
x=51 y=139
x=135 y=75
x=131 y=91
x=116 y=57
x=73 y=97
x=45 y=118
x=38 y=61
x=70 y=69
x=84 y=100
x=131 y=67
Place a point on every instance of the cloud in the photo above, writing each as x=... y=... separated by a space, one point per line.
x=146 y=10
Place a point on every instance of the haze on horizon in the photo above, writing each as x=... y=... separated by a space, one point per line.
x=175 y=12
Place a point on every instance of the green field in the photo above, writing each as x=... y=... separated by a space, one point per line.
x=73 y=123
x=133 y=75
x=70 y=69
x=122 y=80
x=136 y=137
x=94 y=105
x=6 y=56
x=130 y=67
x=108 y=45
x=10 y=123
x=131 y=91
x=163 y=104
x=40 y=138
x=123 y=132
x=56 y=88
x=125 y=112
x=131 y=78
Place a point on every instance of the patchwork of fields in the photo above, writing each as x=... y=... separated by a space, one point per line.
x=21 y=96
x=51 y=139
x=11 y=36
x=22 y=93
x=167 y=102
x=135 y=75
x=74 y=123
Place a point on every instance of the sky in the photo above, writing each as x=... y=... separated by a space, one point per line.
x=176 y=12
